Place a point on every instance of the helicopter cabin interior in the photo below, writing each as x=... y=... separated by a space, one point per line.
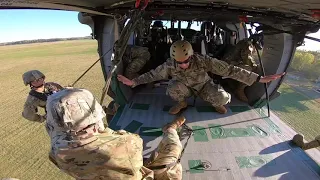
x=248 y=142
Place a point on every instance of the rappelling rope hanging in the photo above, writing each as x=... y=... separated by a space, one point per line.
x=107 y=84
x=255 y=44
x=264 y=74
x=91 y=67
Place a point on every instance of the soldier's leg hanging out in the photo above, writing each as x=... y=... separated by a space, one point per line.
x=298 y=140
x=164 y=160
x=179 y=93
x=216 y=96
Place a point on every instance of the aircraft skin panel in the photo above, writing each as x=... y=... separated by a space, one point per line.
x=305 y=9
x=246 y=144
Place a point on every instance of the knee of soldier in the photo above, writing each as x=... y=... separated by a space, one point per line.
x=223 y=98
x=176 y=87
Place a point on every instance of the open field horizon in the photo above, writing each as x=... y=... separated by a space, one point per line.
x=24 y=144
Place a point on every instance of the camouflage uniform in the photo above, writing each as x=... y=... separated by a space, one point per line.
x=84 y=149
x=167 y=153
x=242 y=56
x=36 y=99
x=196 y=80
x=135 y=58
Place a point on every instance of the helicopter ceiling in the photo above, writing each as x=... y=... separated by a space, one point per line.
x=284 y=12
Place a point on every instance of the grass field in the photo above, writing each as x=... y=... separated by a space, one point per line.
x=298 y=111
x=24 y=145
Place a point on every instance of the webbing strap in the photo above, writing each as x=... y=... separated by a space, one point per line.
x=167 y=166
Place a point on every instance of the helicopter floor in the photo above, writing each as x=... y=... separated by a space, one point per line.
x=242 y=144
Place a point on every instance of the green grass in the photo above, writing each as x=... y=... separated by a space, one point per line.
x=48 y=49
x=298 y=111
x=24 y=145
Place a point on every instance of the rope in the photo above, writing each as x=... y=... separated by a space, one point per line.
x=190 y=131
x=107 y=84
x=91 y=67
x=264 y=74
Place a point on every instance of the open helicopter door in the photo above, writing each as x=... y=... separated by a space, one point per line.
x=278 y=52
x=106 y=32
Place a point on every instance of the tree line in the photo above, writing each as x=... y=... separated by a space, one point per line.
x=43 y=40
x=306 y=63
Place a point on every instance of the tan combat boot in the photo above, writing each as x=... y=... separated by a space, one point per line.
x=175 y=124
x=239 y=92
x=298 y=140
x=177 y=108
x=221 y=109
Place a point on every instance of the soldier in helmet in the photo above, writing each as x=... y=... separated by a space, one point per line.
x=134 y=59
x=38 y=95
x=242 y=56
x=189 y=76
x=83 y=148
x=298 y=140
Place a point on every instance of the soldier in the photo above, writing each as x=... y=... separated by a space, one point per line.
x=242 y=56
x=134 y=59
x=189 y=76
x=298 y=140
x=38 y=95
x=83 y=148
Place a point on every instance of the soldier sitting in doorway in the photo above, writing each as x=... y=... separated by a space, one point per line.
x=242 y=56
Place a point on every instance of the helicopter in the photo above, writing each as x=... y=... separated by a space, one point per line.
x=238 y=145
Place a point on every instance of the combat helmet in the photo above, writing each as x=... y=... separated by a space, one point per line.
x=32 y=75
x=181 y=50
x=73 y=110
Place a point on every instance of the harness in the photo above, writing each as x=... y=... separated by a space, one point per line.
x=41 y=96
